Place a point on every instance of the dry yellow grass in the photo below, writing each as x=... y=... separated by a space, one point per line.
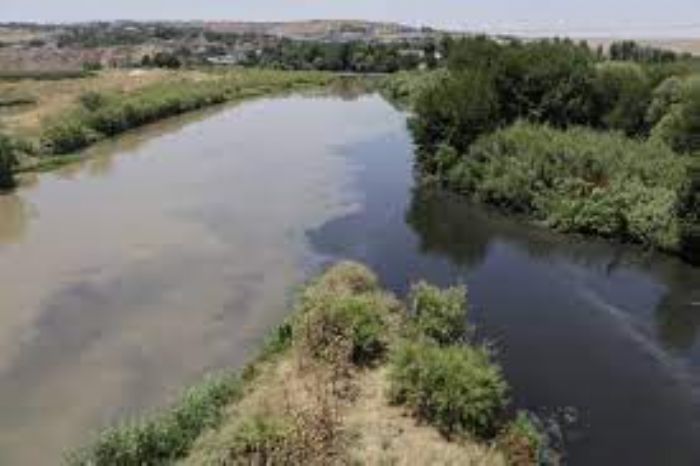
x=12 y=35
x=285 y=391
x=364 y=428
x=387 y=435
x=311 y=410
x=54 y=97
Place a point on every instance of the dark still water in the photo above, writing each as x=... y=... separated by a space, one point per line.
x=174 y=250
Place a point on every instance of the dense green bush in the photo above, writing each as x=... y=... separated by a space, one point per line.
x=8 y=160
x=490 y=85
x=454 y=111
x=439 y=315
x=546 y=81
x=621 y=95
x=345 y=328
x=404 y=87
x=167 y=437
x=665 y=96
x=579 y=180
x=690 y=214
x=457 y=389
x=680 y=127
x=70 y=134
x=344 y=317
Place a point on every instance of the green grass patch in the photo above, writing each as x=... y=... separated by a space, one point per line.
x=165 y=437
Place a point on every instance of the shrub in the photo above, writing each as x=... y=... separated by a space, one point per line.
x=262 y=440
x=457 y=389
x=167 y=437
x=680 y=128
x=690 y=214
x=8 y=160
x=579 y=180
x=622 y=93
x=93 y=100
x=405 y=87
x=440 y=315
x=344 y=328
x=522 y=441
x=454 y=111
x=665 y=96
x=69 y=135
x=343 y=317
x=347 y=277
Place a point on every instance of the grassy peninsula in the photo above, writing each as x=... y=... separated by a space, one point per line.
x=354 y=376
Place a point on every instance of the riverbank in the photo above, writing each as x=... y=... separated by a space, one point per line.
x=59 y=118
x=348 y=377
x=614 y=155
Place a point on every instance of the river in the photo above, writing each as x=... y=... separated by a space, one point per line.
x=172 y=251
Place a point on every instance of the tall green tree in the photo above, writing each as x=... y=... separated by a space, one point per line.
x=680 y=128
x=622 y=94
x=455 y=111
x=546 y=81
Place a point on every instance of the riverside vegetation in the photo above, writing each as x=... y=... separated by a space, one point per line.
x=96 y=112
x=354 y=376
x=557 y=132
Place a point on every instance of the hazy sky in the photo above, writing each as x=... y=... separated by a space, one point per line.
x=588 y=17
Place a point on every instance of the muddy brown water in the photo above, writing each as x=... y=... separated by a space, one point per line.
x=173 y=251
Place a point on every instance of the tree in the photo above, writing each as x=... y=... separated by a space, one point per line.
x=666 y=95
x=474 y=53
x=631 y=51
x=690 y=212
x=146 y=61
x=430 y=54
x=454 y=111
x=166 y=60
x=622 y=93
x=546 y=81
x=680 y=128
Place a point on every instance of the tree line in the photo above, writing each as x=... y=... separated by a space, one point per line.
x=357 y=56
x=629 y=50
